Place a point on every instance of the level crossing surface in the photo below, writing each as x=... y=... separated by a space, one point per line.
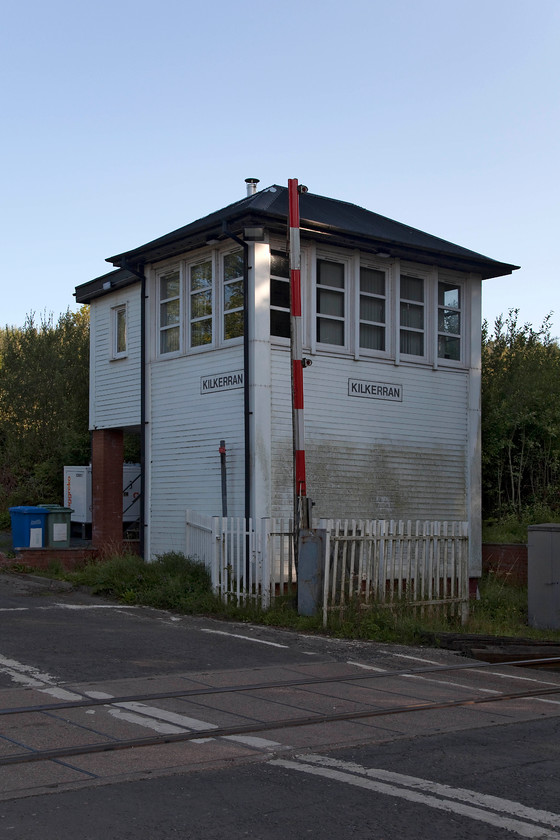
x=93 y=696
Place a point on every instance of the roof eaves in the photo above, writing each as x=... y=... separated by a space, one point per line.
x=105 y=285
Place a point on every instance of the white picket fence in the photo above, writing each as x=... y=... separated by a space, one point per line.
x=244 y=562
x=424 y=564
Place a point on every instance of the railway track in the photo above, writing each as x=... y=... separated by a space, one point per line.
x=258 y=726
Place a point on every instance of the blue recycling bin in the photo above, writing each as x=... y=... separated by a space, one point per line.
x=29 y=527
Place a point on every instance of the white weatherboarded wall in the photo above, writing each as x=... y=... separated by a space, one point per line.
x=185 y=429
x=374 y=458
x=115 y=383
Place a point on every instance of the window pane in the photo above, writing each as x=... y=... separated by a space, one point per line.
x=279 y=293
x=169 y=286
x=412 y=316
x=372 y=281
x=169 y=313
x=449 y=295
x=449 y=321
x=121 y=331
x=372 y=338
x=449 y=348
x=233 y=325
x=330 y=274
x=412 y=343
x=233 y=266
x=169 y=340
x=201 y=332
x=201 y=276
x=233 y=295
x=412 y=288
x=279 y=265
x=279 y=323
x=330 y=303
x=330 y=332
x=201 y=304
x=372 y=309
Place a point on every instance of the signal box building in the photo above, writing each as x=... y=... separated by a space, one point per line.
x=392 y=332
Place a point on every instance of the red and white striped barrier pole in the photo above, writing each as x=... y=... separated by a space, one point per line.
x=300 y=487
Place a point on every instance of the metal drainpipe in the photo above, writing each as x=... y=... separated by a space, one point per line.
x=141 y=535
x=142 y=277
x=246 y=401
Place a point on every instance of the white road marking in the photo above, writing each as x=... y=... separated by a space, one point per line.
x=77 y=607
x=31 y=677
x=367 y=667
x=246 y=638
x=448 y=682
x=383 y=781
x=416 y=658
x=251 y=741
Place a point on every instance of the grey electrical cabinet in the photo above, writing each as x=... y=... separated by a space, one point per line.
x=543 y=576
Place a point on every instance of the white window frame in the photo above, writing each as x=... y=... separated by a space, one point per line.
x=220 y=286
x=162 y=272
x=453 y=279
x=347 y=321
x=115 y=312
x=281 y=251
x=211 y=258
x=363 y=260
x=427 y=305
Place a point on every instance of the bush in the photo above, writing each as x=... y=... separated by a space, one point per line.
x=172 y=581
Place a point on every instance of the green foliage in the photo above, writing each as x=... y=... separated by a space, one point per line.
x=172 y=582
x=520 y=421
x=501 y=610
x=178 y=583
x=44 y=381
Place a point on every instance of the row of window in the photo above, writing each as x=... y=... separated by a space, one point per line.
x=354 y=307
x=202 y=303
x=336 y=292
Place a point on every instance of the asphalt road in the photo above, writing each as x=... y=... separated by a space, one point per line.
x=487 y=771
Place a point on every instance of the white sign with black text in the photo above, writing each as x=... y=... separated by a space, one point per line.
x=221 y=382
x=375 y=390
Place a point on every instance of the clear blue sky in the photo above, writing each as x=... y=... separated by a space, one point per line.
x=125 y=120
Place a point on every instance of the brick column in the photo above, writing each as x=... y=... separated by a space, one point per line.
x=107 y=489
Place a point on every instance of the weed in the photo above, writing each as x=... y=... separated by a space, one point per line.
x=181 y=584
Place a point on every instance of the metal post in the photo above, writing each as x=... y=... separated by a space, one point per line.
x=222 y=451
x=301 y=506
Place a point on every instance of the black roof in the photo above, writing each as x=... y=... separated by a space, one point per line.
x=321 y=218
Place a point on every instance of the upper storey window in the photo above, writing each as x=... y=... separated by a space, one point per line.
x=233 y=296
x=331 y=302
x=201 y=299
x=412 y=315
x=279 y=294
x=118 y=327
x=449 y=321
x=201 y=303
x=170 y=312
x=373 y=293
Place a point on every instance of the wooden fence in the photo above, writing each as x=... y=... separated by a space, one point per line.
x=422 y=564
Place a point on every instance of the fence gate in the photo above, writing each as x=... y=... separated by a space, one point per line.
x=244 y=562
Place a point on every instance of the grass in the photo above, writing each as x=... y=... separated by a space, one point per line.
x=179 y=584
x=175 y=582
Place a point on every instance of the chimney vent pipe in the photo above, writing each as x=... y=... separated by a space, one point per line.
x=251 y=185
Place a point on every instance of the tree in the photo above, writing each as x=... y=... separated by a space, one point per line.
x=44 y=380
x=520 y=417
